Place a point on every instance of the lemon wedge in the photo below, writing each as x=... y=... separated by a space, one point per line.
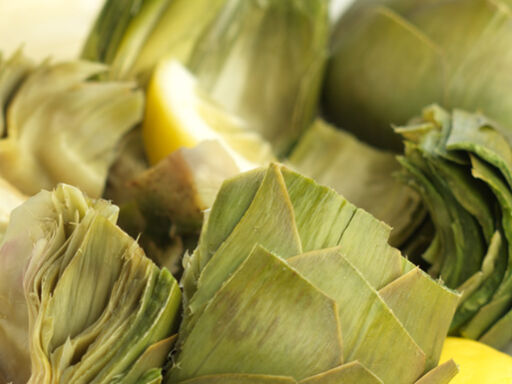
x=478 y=363
x=179 y=114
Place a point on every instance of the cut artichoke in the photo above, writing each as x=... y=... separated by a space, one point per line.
x=59 y=126
x=184 y=184
x=393 y=57
x=362 y=174
x=80 y=301
x=291 y=283
x=461 y=165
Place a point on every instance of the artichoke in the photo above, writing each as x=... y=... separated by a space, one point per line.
x=261 y=60
x=461 y=164
x=80 y=301
x=59 y=126
x=264 y=61
x=132 y=36
x=393 y=57
x=292 y=283
x=362 y=174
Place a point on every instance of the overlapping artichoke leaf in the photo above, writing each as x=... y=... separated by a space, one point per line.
x=460 y=164
x=263 y=61
x=443 y=48
x=133 y=36
x=81 y=302
x=12 y=72
x=292 y=283
x=362 y=174
x=59 y=126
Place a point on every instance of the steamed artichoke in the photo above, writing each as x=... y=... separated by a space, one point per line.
x=80 y=301
x=261 y=60
x=292 y=283
x=60 y=126
x=393 y=57
x=132 y=36
x=461 y=164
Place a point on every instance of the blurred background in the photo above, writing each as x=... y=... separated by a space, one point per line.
x=58 y=27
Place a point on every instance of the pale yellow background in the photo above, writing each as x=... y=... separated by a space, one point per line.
x=46 y=27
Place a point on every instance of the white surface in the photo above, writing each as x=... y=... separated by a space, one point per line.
x=55 y=28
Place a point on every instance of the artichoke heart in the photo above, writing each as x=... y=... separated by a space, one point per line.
x=292 y=283
x=80 y=301
x=59 y=125
x=461 y=163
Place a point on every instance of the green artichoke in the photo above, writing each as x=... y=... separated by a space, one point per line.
x=461 y=165
x=291 y=283
x=59 y=126
x=393 y=57
x=80 y=301
x=261 y=60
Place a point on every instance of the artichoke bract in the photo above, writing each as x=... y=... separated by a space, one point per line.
x=362 y=174
x=80 y=301
x=132 y=36
x=264 y=61
x=461 y=164
x=393 y=57
x=60 y=126
x=292 y=283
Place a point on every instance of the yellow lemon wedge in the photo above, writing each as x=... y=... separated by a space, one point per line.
x=179 y=114
x=478 y=363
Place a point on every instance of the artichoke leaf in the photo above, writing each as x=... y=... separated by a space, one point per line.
x=231 y=203
x=260 y=307
x=365 y=244
x=379 y=37
x=500 y=334
x=442 y=374
x=327 y=155
x=406 y=297
x=479 y=289
x=240 y=379
x=132 y=37
x=363 y=317
x=280 y=236
x=349 y=373
x=82 y=121
x=12 y=73
x=321 y=215
x=263 y=61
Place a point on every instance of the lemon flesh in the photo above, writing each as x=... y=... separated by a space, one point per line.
x=179 y=114
x=478 y=363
